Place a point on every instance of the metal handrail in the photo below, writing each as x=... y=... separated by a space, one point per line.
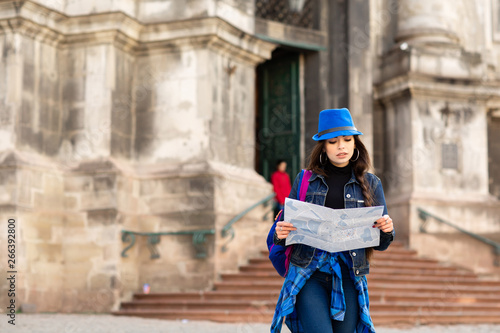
x=228 y=228
x=198 y=235
x=154 y=238
x=424 y=215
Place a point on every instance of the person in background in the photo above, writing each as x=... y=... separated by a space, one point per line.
x=281 y=184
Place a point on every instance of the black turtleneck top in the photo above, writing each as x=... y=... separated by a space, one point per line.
x=336 y=179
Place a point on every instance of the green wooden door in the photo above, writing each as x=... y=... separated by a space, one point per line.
x=278 y=116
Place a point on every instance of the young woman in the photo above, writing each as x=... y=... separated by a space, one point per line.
x=326 y=292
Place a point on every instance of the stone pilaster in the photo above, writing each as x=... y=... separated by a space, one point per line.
x=435 y=92
x=428 y=21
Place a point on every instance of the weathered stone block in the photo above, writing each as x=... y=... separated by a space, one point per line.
x=121 y=146
x=149 y=223
x=75 y=119
x=26 y=116
x=80 y=252
x=74 y=220
x=100 y=281
x=48 y=219
x=167 y=205
x=174 y=185
x=46 y=252
x=202 y=185
x=43 y=232
x=127 y=203
x=113 y=250
x=27 y=137
x=73 y=90
x=97 y=199
x=49 y=86
x=28 y=77
x=150 y=187
x=46 y=201
x=75 y=280
x=145 y=124
x=142 y=145
x=198 y=219
x=51 y=143
x=78 y=184
x=143 y=100
x=29 y=233
x=49 y=117
x=101 y=217
x=104 y=182
x=53 y=183
x=201 y=202
x=70 y=202
x=9 y=210
x=121 y=117
x=106 y=235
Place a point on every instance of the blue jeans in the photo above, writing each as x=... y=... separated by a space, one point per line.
x=313 y=305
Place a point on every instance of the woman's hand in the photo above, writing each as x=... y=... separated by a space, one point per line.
x=384 y=223
x=283 y=229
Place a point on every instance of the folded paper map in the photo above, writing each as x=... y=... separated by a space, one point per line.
x=332 y=230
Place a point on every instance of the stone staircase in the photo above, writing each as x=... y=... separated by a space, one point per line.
x=404 y=289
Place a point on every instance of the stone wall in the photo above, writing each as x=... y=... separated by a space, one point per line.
x=435 y=87
x=112 y=124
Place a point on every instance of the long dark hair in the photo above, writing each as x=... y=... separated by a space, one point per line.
x=360 y=166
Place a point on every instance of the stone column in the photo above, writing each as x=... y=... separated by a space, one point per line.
x=360 y=68
x=194 y=116
x=350 y=63
x=423 y=21
x=435 y=102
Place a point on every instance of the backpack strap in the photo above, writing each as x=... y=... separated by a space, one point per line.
x=304 y=184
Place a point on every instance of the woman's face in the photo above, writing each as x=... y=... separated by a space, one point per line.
x=339 y=150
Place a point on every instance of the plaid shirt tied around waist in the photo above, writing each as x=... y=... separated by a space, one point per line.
x=297 y=278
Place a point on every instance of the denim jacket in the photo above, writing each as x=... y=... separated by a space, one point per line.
x=302 y=255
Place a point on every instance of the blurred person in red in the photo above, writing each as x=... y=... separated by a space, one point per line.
x=281 y=184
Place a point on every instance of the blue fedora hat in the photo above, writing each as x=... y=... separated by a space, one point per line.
x=333 y=123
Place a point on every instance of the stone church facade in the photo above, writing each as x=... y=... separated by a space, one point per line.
x=165 y=118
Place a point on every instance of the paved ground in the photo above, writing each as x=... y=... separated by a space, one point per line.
x=61 y=323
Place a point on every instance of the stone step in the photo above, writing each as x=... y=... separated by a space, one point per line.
x=209 y=295
x=389 y=252
x=432 y=280
x=228 y=316
x=373 y=278
x=383 y=318
x=379 y=317
x=402 y=286
x=379 y=270
x=441 y=296
x=437 y=288
x=212 y=304
x=375 y=260
x=408 y=264
x=404 y=289
x=388 y=295
x=398 y=249
x=252 y=305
